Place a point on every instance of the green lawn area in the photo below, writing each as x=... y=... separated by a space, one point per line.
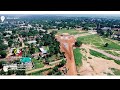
x=52 y=58
x=37 y=50
x=77 y=56
x=116 y=71
x=71 y=31
x=37 y=63
x=46 y=47
x=99 y=42
x=113 y=53
x=97 y=54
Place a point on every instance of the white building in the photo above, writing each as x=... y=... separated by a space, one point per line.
x=30 y=42
x=11 y=67
x=6 y=42
x=10 y=32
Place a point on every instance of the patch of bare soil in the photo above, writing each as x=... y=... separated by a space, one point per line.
x=96 y=66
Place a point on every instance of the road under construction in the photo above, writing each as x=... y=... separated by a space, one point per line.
x=66 y=45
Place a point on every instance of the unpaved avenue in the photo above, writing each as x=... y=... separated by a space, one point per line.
x=66 y=45
x=38 y=69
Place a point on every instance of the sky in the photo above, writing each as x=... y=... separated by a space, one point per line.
x=68 y=15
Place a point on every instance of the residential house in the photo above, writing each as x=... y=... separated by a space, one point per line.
x=26 y=61
x=9 y=67
x=32 y=42
x=10 y=32
x=43 y=51
x=106 y=28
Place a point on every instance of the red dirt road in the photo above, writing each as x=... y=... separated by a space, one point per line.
x=66 y=45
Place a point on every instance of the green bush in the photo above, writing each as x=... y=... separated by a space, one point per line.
x=78 y=43
x=1 y=63
x=10 y=72
x=62 y=63
x=3 y=54
x=90 y=57
x=20 y=72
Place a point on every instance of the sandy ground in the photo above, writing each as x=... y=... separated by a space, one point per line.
x=96 y=66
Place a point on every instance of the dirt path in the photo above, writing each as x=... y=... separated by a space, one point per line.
x=45 y=67
x=66 y=45
x=23 y=45
x=38 y=69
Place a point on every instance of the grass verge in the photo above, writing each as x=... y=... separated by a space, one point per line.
x=77 y=56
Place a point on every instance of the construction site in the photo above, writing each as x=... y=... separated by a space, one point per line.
x=66 y=45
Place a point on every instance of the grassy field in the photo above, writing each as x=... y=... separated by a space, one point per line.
x=71 y=31
x=113 y=53
x=37 y=63
x=77 y=56
x=37 y=50
x=116 y=71
x=99 y=42
x=97 y=54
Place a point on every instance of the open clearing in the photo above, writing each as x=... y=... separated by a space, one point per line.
x=98 y=41
x=71 y=31
x=96 y=65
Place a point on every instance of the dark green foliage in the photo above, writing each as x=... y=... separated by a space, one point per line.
x=62 y=63
x=77 y=56
x=20 y=72
x=78 y=43
x=2 y=63
x=32 y=50
x=3 y=54
x=10 y=72
x=3 y=47
x=106 y=45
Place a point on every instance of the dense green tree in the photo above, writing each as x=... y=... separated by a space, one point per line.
x=78 y=43
x=10 y=72
x=4 y=34
x=14 y=31
x=3 y=54
x=38 y=40
x=2 y=72
x=2 y=63
x=20 y=72
x=55 y=69
x=106 y=45
x=32 y=50
x=62 y=63
x=10 y=42
x=3 y=47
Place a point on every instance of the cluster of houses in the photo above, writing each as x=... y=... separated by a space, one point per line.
x=26 y=62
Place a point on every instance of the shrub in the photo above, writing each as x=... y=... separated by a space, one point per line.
x=78 y=43
x=3 y=54
x=106 y=44
x=62 y=63
x=90 y=57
